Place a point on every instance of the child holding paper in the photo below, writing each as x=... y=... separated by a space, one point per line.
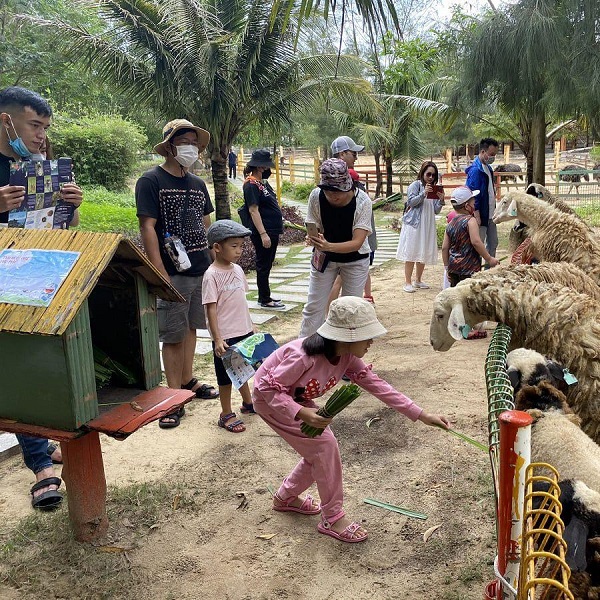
x=284 y=390
x=224 y=290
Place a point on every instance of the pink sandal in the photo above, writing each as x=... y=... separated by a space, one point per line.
x=348 y=535
x=306 y=508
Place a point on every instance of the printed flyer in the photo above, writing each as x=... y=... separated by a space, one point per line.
x=32 y=277
x=243 y=359
x=42 y=207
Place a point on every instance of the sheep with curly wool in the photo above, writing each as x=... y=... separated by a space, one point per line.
x=547 y=317
x=563 y=273
x=555 y=236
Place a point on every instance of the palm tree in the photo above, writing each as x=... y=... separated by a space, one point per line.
x=224 y=64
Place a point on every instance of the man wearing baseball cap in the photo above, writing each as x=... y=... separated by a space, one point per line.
x=171 y=202
x=462 y=248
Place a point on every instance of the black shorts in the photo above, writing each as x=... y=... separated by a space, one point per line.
x=454 y=278
x=221 y=373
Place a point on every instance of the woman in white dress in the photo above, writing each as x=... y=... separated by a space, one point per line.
x=418 y=240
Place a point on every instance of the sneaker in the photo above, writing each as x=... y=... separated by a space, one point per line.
x=409 y=288
x=420 y=285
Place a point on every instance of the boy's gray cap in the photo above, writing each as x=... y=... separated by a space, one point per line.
x=343 y=143
x=224 y=229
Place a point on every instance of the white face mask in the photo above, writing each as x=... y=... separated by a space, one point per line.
x=186 y=155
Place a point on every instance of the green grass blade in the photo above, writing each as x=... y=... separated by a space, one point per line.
x=466 y=438
x=403 y=511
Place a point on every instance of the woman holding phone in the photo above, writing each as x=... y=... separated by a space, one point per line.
x=418 y=240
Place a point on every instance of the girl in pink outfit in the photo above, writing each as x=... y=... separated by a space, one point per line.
x=285 y=387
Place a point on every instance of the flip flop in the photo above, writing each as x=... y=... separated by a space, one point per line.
x=306 y=508
x=48 y=500
x=344 y=536
x=205 y=391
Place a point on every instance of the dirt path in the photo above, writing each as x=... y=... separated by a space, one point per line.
x=214 y=551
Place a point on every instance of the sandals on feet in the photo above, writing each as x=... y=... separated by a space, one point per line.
x=47 y=500
x=234 y=426
x=477 y=334
x=247 y=409
x=306 y=508
x=369 y=299
x=52 y=448
x=172 y=420
x=273 y=304
x=348 y=535
x=205 y=391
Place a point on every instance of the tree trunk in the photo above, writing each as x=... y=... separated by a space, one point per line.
x=218 y=160
x=378 y=176
x=538 y=146
x=388 y=175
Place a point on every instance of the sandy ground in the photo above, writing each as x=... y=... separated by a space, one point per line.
x=215 y=552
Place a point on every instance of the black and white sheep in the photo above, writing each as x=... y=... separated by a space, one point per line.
x=528 y=367
x=556 y=236
x=547 y=317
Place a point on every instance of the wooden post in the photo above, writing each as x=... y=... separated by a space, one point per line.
x=448 y=160
x=292 y=177
x=506 y=153
x=83 y=473
x=316 y=169
x=557 y=155
x=277 y=178
x=241 y=159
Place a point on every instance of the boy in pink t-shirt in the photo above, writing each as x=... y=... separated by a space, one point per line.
x=224 y=288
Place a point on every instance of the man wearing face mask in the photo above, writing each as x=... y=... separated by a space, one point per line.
x=480 y=177
x=266 y=222
x=25 y=116
x=172 y=202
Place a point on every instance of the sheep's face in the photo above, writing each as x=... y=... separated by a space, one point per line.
x=449 y=317
x=506 y=209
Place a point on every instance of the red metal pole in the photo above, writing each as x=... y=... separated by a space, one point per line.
x=511 y=460
x=83 y=472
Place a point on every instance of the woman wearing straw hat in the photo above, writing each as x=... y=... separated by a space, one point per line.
x=285 y=387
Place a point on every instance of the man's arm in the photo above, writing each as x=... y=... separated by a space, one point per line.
x=151 y=243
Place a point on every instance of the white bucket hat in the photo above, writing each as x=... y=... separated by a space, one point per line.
x=351 y=319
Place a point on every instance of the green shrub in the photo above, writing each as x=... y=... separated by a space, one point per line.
x=103 y=210
x=104 y=149
x=297 y=191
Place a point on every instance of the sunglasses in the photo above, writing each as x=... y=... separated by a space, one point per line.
x=429 y=174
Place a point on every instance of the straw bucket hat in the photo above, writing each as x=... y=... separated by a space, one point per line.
x=172 y=127
x=351 y=319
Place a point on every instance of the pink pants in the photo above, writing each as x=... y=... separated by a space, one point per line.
x=321 y=463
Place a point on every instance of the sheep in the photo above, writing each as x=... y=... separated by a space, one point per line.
x=548 y=317
x=563 y=273
x=528 y=367
x=509 y=168
x=555 y=236
x=574 y=178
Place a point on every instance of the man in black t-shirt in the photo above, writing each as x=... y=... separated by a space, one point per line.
x=24 y=118
x=171 y=202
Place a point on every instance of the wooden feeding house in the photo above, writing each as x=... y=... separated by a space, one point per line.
x=105 y=310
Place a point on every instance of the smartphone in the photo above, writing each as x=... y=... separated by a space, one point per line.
x=311 y=229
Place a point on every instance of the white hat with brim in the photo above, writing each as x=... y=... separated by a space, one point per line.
x=351 y=319
x=172 y=127
x=461 y=195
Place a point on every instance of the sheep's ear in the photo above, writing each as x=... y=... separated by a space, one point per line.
x=512 y=208
x=456 y=322
x=514 y=375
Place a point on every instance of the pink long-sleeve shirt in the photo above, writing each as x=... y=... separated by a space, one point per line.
x=279 y=381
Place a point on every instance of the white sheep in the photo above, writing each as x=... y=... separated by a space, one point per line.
x=547 y=317
x=564 y=273
x=556 y=236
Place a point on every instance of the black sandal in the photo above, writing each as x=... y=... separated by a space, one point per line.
x=247 y=409
x=48 y=500
x=174 y=419
x=222 y=422
x=205 y=391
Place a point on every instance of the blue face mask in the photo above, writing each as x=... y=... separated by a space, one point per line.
x=18 y=145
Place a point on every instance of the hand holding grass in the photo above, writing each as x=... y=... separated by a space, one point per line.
x=312 y=419
x=434 y=420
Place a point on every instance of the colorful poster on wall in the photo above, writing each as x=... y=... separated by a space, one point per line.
x=43 y=207
x=32 y=277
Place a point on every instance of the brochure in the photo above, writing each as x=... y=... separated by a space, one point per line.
x=42 y=207
x=243 y=359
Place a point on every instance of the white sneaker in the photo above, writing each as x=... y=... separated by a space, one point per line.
x=410 y=289
x=420 y=285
